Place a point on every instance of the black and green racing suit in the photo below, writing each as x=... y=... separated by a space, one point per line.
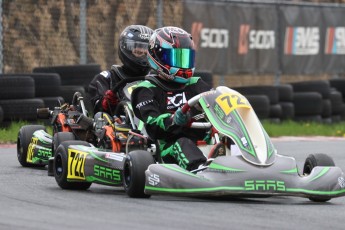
x=154 y=103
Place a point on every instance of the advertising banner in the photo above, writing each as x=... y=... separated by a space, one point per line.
x=209 y=25
x=301 y=29
x=253 y=44
x=230 y=38
x=334 y=43
x=266 y=38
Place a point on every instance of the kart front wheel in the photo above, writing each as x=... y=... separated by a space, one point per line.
x=135 y=166
x=60 y=137
x=313 y=160
x=23 y=140
x=60 y=167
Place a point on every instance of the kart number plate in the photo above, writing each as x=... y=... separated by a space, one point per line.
x=230 y=101
x=76 y=164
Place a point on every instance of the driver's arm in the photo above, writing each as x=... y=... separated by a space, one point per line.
x=159 y=125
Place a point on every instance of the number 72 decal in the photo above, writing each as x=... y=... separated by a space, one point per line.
x=230 y=101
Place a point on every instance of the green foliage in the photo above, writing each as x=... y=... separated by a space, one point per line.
x=291 y=128
x=8 y=134
x=286 y=128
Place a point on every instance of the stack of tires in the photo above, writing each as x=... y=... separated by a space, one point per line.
x=337 y=98
x=285 y=93
x=312 y=101
x=74 y=78
x=47 y=87
x=17 y=98
x=264 y=100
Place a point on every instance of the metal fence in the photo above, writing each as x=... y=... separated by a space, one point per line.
x=65 y=32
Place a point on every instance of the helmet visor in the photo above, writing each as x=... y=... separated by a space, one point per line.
x=178 y=57
x=135 y=48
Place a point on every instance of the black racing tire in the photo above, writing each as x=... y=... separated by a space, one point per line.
x=270 y=91
x=275 y=111
x=288 y=110
x=23 y=140
x=60 y=167
x=313 y=160
x=339 y=84
x=326 y=108
x=67 y=92
x=1 y=114
x=46 y=84
x=260 y=104
x=307 y=103
x=16 y=87
x=79 y=74
x=21 y=109
x=60 y=137
x=308 y=118
x=52 y=102
x=135 y=166
x=322 y=87
x=285 y=92
x=206 y=76
x=337 y=102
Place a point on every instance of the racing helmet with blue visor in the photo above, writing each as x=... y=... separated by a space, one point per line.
x=171 y=53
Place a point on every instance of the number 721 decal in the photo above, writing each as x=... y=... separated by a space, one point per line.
x=230 y=101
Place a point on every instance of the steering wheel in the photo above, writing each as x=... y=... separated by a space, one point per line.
x=190 y=104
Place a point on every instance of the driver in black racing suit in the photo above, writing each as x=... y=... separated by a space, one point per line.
x=158 y=100
x=132 y=49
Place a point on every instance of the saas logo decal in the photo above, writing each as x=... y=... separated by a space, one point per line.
x=76 y=164
x=341 y=182
x=153 y=179
x=302 y=41
x=209 y=37
x=335 y=40
x=255 y=39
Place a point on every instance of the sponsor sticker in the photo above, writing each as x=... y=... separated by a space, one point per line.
x=114 y=156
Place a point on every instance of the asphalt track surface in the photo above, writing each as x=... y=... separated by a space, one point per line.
x=29 y=199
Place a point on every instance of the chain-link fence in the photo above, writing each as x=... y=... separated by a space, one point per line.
x=65 y=32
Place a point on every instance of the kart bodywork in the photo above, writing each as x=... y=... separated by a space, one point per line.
x=254 y=170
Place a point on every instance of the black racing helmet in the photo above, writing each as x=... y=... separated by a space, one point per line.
x=133 y=45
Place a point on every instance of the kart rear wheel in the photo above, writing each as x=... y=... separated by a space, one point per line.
x=61 y=168
x=135 y=166
x=313 y=160
x=23 y=140
x=60 y=137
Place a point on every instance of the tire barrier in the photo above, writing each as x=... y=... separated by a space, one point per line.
x=205 y=75
x=16 y=87
x=260 y=104
x=1 y=114
x=21 y=109
x=72 y=74
x=46 y=84
x=271 y=92
x=322 y=87
x=308 y=106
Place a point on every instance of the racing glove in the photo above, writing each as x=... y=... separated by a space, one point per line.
x=109 y=99
x=181 y=118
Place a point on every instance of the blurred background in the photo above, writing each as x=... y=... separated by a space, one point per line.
x=239 y=44
x=37 y=33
